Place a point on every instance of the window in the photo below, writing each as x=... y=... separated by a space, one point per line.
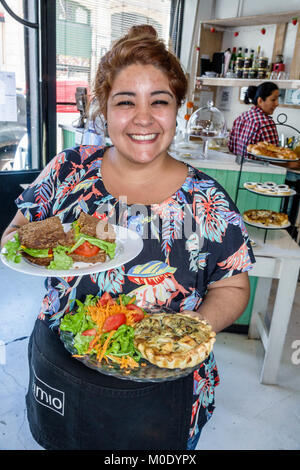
x=19 y=99
x=85 y=30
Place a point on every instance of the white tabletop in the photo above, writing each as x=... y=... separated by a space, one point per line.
x=278 y=244
x=220 y=160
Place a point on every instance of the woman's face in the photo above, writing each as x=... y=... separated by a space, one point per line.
x=141 y=113
x=270 y=103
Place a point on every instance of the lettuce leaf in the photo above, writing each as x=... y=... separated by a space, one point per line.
x=89 y=300
x=60 y=258
x=36 y=252
x=12 y=248
x=81 y=343
x=77 y=322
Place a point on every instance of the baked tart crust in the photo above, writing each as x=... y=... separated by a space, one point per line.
x=174 y=341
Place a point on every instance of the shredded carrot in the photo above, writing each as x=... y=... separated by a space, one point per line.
x=104 y=348
x=124 y=361
x=100 y=313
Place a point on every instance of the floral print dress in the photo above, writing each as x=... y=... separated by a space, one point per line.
x=192 y=239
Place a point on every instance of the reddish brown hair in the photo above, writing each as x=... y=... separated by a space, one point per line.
x=139 y=46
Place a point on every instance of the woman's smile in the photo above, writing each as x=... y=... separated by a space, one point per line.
x=143 y=138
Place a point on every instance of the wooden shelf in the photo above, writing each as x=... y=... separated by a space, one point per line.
x=273 y=18
x=242 y=82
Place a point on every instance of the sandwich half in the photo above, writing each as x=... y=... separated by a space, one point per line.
x=39 y=239
x=91 y=239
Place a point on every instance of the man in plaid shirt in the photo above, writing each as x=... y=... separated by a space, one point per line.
x=256 y=124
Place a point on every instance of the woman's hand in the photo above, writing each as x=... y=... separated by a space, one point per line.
x=17 y=222
x=224 y=302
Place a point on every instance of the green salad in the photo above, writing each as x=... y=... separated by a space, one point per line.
x=112 y=338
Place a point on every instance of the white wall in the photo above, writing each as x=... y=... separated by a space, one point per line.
x=190 y=10
x=228 y=8
x=251 y=37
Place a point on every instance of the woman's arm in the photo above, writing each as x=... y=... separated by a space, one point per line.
x=268 y=134
x=17 y=222
x=224 y=301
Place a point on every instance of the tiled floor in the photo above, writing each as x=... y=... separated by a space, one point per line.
x=248 y=415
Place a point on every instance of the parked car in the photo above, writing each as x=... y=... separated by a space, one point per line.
x=66 y=95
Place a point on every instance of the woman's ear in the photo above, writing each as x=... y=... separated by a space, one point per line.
x=260 y=101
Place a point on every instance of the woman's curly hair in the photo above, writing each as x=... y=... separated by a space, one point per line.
x=139 y=46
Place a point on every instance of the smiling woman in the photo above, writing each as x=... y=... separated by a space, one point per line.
x=201 y=272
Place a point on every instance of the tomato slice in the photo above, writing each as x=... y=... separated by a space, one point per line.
x=90 y=332
x=137 y=316
x=114 y=321
x=134 y=307
x=106 y=298
x=138 y=313
x=87 y=249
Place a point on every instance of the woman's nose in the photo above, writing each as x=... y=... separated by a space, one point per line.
x=143 y=116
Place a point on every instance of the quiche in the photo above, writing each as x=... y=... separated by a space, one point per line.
x=266 y=217
x=270 y=150
x=174 y=340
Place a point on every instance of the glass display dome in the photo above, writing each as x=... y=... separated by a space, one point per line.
x=207 y=123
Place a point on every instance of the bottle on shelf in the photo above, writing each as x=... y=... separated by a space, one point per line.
x=239 y=63
x=256 y=58
x=227 y=58
x=240 y=52
x=232 y=60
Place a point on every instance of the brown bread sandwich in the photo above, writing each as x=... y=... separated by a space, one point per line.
x=91 y=239
x=39 y=239
x=45 y=242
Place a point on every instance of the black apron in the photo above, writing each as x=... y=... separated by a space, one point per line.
x=72 y=407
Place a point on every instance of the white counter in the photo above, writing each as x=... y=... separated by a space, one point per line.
x=219 y=160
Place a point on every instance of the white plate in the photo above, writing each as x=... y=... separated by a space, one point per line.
x=272 y=227
x=186 y=150
x=260 y=193
x=274 y=159
x=129 y=245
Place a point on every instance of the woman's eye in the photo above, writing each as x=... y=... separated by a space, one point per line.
x=125 y=103
x=160 y=102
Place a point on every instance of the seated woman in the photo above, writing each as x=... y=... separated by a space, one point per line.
x=256 y=124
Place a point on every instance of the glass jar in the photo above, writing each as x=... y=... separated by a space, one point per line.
x=246 y=72
x=252 y=73
x=239 y=63
x=206 y=122
x=263 y=62
x=297 y=147
x=248 y=62
x=262 y=73
x=238 y=72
